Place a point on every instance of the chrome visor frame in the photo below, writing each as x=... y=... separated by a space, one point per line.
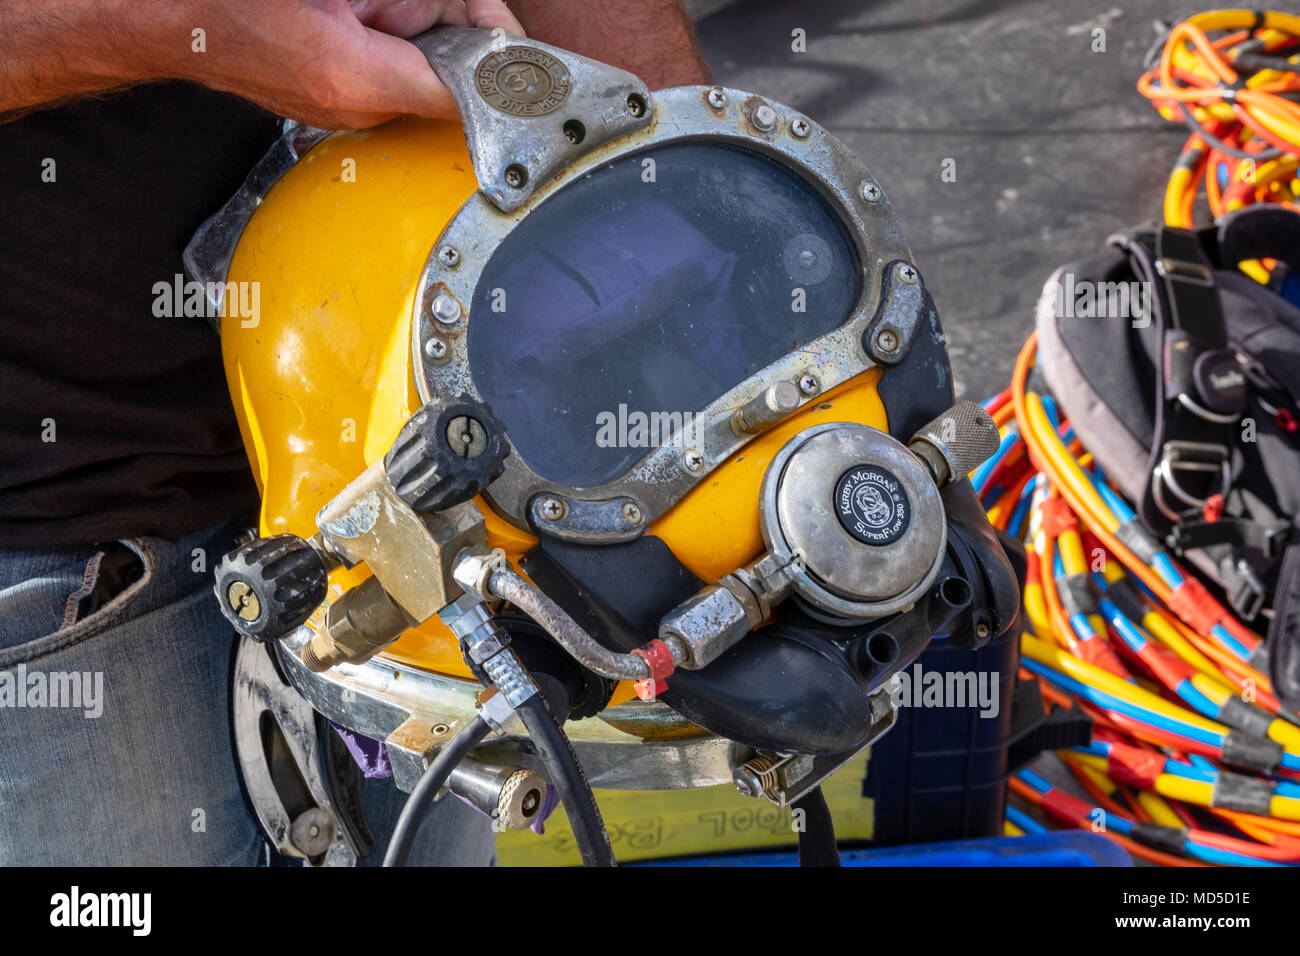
x=621 y=509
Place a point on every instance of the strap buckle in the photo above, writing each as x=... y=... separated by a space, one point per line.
x=1246 y=594
x=1183 y=271
x=1188 y=456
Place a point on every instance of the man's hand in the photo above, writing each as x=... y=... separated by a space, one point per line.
x=331 y=63
x=334 y=63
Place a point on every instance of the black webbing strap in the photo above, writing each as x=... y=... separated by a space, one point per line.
x=1196 y=405
x=817 y=838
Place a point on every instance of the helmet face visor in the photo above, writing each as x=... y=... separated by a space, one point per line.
x=645 y=290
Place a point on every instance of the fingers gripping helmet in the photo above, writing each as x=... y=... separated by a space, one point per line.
x=639 y=394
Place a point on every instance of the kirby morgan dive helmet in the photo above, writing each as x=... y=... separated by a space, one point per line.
x=605 y=441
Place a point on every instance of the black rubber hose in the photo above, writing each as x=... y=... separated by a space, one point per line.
x=421 y=798
x=817 y=845
x=567 y=777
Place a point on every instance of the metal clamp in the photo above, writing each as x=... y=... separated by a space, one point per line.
x=1188 y=456
x=783 y=778
x=530 y=109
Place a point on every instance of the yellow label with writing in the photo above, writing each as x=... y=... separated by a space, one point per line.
x=655 y=824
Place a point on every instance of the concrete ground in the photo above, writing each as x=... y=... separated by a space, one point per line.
x=1051 y=145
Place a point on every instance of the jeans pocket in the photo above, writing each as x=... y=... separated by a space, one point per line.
x=81 y=599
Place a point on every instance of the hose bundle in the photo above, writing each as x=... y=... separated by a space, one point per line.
x=1193 y=759
x=1233 y=77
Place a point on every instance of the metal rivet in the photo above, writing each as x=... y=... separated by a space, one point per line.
x=552 y=509
x=887 y=340
x=800 y=128
x=765 y=118
x=907 y=272
x=717 y=98
x=870 y=191
x=448 y=256
x=632 y=513
x=809 y=385
x=435 y=348
x=445 y=309
x=440 y=730
x=693 y=459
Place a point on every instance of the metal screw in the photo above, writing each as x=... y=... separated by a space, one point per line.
x=636 y=105
x=907 y=272
x=448 y=256
x=809 y=385
x=516 y=176
x=870 y=191
x=574 y=131
x=755 y=777
x=800 y=128
x=243 y=601
x=552 y=509
x=445 y=309
x=435 y=348
x=717 y=98
x=887 y=340
x=466 y=436
x=632 y=513
x=693 y=459
x=981 y=630
x=440 y=730
x=765 y=118
x=747 y=782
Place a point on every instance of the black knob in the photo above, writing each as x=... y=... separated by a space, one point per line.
x=448 y=454
x=269 y=586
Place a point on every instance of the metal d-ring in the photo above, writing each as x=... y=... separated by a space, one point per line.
x=1164 y=476
x=1200 y=411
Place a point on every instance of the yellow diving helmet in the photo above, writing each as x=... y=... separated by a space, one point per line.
x=620 y=411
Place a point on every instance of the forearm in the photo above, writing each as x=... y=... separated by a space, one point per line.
x=652 y=38
x=56 y=50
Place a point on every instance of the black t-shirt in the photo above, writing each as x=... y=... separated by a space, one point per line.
x=115 y=422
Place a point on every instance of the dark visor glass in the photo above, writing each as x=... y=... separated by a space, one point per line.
x=633 y=298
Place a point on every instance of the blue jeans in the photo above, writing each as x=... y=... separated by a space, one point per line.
x=121 y=751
